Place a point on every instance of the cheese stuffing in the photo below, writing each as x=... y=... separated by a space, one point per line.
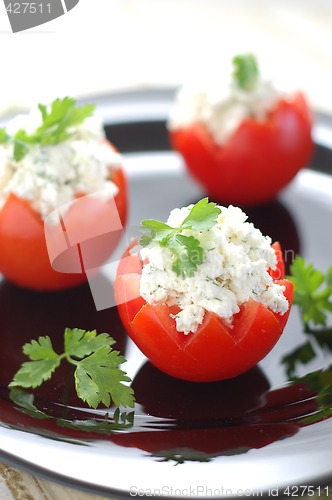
x=237 y=258
x=221 y=110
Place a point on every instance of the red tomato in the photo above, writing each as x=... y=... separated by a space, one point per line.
x=279 y=272
x=24 y=257
x=258 y=160
x=214 y=351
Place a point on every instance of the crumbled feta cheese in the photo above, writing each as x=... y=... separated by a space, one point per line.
x=221 y=110
x=236 y=261
x=51 y=176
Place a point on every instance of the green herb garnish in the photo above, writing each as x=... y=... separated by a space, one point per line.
x=186 y=250
x=313 y=291
x=98 y=378
x=246 y=72
x=300 y=355
x=313 y=296
x=57 y=122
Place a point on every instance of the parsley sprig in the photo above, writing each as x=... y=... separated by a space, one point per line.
x=313 y=295
x=98 y=378
x=313 y=291
x=246 y=72
x=186 y=250
x=57 y=122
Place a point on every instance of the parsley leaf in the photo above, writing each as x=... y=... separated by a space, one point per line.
x=313 y=295
x=189 y=254
x=34 y=373
x=40 y=350
x=154 y=230
x=313 y=291
x=300 y=355
x=328 y=276
x=4 y=137
x=246 y=71
x=20 y=149
x=80 y=343
x=57 y=126
x=186 y=249
x=202 y=216
x=98 y=378
x=44 y=360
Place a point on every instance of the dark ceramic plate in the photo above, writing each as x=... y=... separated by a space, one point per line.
x=261 y=433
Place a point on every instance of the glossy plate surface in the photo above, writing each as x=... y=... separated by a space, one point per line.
x=261 y=431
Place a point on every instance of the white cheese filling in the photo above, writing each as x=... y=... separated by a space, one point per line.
x=52 y=176
x=222 y=110
x=235 y=269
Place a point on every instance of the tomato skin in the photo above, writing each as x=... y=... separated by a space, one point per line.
x=258 y=160
x=215 y=351
x=279 y=272
x=24 y=258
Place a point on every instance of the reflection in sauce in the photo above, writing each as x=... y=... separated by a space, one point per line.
x=222 y=418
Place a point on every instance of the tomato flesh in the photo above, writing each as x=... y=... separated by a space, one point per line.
x=24 y=258
x=215 y=351
x=258 y=160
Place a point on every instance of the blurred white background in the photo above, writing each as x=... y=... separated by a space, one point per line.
x=102 y=45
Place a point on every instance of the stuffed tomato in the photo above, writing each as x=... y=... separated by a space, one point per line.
x=49 y=160
x=205 y=298
x=245 y=144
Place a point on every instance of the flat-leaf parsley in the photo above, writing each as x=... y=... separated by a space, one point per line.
x=57 y=123
x=186 y=249
x=246 y=72
x=313 y=291
x=98 y=378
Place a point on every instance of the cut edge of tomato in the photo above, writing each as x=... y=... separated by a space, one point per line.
x=209 y=318
x=289 y=294
x=242 y=320
x=279 y=271
x=160 y=314
x=128 y=297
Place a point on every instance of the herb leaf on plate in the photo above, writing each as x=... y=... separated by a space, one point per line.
x=313 y=291
x=80 y=343
x=44 y=360
x=313 y=296
x=98 y=378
